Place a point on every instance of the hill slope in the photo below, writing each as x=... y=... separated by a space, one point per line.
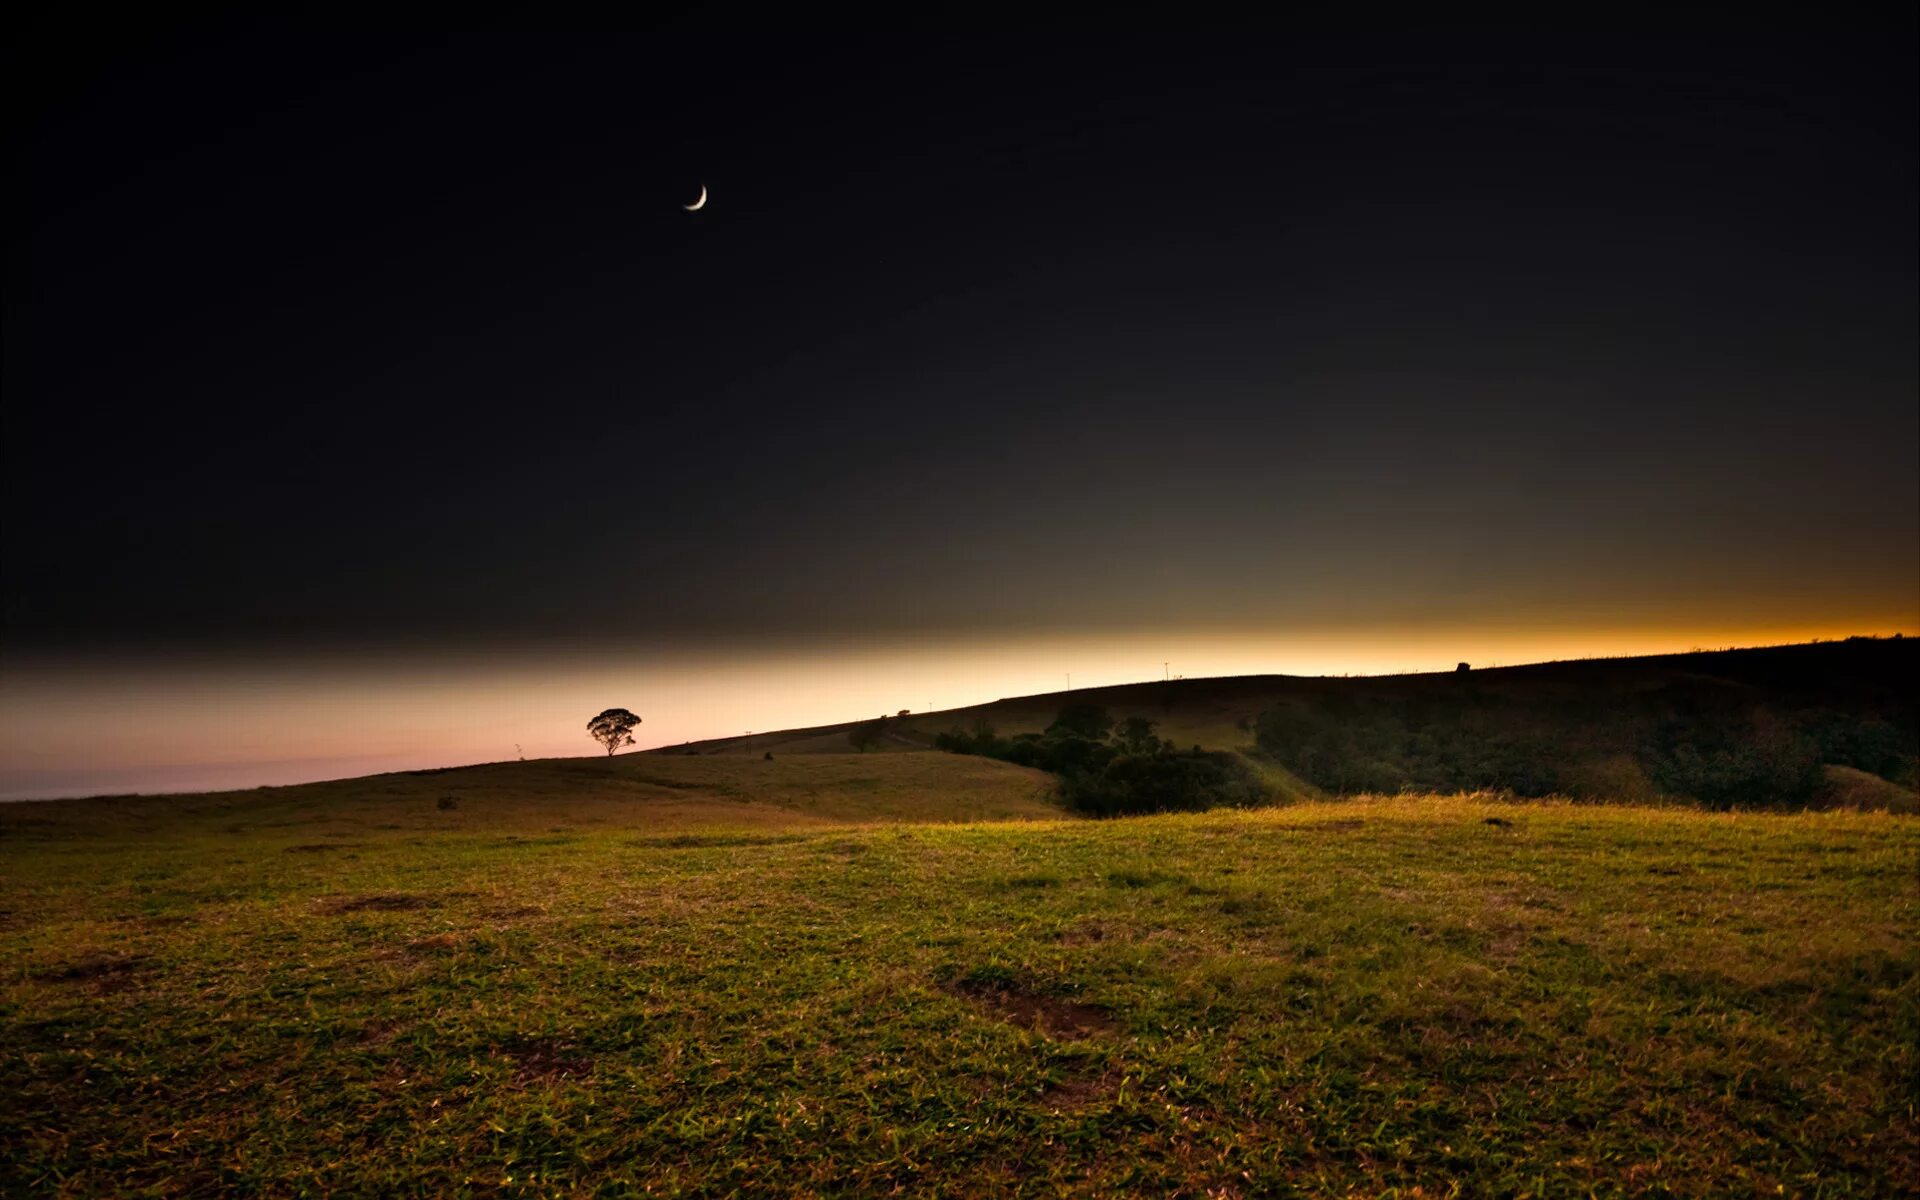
x=1585 y=727
x=1219 y=713
x=630 y=792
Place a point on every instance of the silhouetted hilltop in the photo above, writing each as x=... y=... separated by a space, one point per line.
x=1730 y=727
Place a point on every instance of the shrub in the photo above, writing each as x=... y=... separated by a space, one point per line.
x=1161 y=781
x=1869 y=744
x=1760 y=763
x=1135 y=772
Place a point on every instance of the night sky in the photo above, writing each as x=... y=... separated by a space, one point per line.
x=323 y=346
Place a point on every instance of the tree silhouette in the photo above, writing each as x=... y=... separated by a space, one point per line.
x=1135 y=735
x=613 y=728
x=1081 y=720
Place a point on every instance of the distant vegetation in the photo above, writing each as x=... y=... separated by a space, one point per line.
x=1783 y=728
x=1701 y=739
x=1110 y=769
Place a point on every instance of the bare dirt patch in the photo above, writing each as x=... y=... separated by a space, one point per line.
x=537 y=1060
x=377 y=1033
x=1086 y=933
x=386 y=902
x=439 y=943
x=320 y=847
x=106 y=972
x=1066 y=1020
x=1079 y=1095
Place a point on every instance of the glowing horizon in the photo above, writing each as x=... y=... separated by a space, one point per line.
x=216 y=724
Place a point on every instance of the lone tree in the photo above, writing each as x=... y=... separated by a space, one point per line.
x=613 y=728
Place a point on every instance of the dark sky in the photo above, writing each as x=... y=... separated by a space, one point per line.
x=342 y=341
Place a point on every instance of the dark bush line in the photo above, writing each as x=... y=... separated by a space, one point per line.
x=1704 y=746
x=1708 y=741
x=1112 y=770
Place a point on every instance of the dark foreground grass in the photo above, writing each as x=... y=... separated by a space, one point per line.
x=1384 y=998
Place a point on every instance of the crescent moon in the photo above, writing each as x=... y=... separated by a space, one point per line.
x=699 y=204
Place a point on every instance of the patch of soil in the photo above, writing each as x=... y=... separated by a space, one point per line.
x=537 y=1060
x=439 y=943
x=1085 y=933
x=377 y=1033
x=1078 y=1095
x=1502 y=822
x=1066 y=1020
x=320 y=847
x=1251 y=909
x=108 y=972
x=388 y=902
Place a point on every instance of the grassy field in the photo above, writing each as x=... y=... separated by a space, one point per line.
x=575 y=981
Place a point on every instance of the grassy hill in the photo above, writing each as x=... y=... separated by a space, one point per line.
x=698 y=978
x=629 y=792
x=1590 y=728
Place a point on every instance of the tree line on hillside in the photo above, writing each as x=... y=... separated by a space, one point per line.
x=1706 y=743
x=1111 y=768
x=1715 y=748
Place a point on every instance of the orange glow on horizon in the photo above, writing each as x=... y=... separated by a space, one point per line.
x=134 y=726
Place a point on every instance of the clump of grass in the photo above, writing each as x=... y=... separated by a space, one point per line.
x=1035 y=879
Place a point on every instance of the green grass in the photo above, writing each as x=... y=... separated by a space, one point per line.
x=354 y=991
